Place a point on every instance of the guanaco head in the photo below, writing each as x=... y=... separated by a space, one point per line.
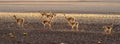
x=15 y=16
x=64 y=15
x=18 y=19
x=43 y=13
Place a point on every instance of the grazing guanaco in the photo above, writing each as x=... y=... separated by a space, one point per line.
x=108 y=29
x=74 y=24
x=19 y=21
x=69 y=19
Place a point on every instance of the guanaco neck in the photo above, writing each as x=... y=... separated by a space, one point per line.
x=15 y=17
x=65 y=16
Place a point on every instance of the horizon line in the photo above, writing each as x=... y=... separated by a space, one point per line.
x=60 y=1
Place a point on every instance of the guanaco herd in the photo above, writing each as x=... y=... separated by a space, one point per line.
x=49 y=17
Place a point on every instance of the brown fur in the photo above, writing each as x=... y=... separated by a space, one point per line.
x=47 y=22
x=43 y=13
x=107 y=29
x=70 y=19
x=50 y=16
x=19 y=21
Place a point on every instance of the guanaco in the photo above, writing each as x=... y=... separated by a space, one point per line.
x=47 y=22
x=19 y=21
x=108 y=29
x=69 y=19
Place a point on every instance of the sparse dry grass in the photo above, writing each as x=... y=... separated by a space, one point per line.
x=90 y=29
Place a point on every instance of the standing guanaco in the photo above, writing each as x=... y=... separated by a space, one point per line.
x=19 y=21
x=48 y=20
x=108 y=29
